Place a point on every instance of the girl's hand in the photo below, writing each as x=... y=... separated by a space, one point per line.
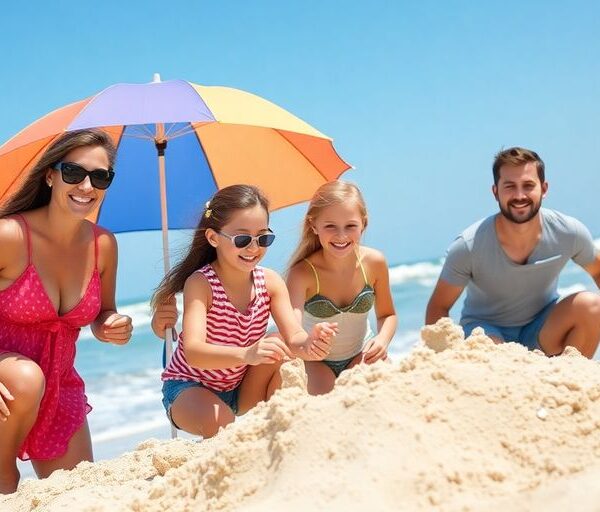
x=318 y=344
x=374 y=350
x=269 y=350
x=324 y=331
x=165 y=317
x=117 y=329
x=4 y=395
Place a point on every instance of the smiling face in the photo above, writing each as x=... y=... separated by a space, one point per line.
x=339 y=228
x=519 y=192
x=82 y=198
x=252 y=221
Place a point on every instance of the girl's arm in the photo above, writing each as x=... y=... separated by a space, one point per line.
x=197 y=297
x=109 y=325
x=313 y=346
x=297 y=284
x=387 y=321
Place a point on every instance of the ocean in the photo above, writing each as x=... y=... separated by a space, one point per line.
x=123 y=382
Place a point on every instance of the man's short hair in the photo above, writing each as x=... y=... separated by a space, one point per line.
x=518 y=156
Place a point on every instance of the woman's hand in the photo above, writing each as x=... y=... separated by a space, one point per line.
x=268 y=350
x=165 y=317
x=375 y=349
x=4 y=396
x=116 y=329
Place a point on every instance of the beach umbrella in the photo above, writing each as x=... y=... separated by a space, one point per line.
x=199 y=138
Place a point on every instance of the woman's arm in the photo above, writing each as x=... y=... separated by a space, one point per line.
x=13 y=255
x=109 y=325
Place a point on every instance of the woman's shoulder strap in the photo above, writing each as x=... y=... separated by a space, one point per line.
x=95 y=231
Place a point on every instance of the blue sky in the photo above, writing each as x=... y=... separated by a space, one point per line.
x=418 y=96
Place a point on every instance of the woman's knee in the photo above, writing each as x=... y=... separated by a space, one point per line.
x=26 y=382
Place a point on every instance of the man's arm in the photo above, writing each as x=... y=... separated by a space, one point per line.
x=456 y=269
x=593 y=269
x=442 y=299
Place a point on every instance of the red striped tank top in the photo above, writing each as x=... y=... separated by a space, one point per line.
x=225 y=325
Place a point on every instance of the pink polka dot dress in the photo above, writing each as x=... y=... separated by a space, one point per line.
x=29 y=325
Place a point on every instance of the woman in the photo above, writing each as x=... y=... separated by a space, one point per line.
x=57 y=274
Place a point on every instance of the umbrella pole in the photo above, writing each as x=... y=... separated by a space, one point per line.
x=161 y=145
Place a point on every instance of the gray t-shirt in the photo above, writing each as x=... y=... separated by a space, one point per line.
x=505 y=293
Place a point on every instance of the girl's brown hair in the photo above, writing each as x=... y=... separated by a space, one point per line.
x=218 y=212
x=35 y=192
x=334 y=192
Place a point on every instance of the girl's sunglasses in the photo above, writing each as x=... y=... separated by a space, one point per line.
x=241 y=241
x=74 y=174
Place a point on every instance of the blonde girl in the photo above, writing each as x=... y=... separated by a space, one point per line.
x=333 y=278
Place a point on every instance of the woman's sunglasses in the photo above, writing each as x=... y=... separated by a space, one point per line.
x=74 y=174
x=241 y=241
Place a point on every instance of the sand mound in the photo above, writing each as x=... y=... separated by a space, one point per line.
x=464 y=425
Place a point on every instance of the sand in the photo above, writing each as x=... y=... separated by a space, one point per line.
x=458 y=425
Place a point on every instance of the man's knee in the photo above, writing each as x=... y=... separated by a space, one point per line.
x=588 y=303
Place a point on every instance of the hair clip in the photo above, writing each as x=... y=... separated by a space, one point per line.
x=208 y=210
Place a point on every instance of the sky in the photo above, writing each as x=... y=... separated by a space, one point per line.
x=418 y=96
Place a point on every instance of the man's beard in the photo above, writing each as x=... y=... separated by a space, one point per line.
x=535 y=208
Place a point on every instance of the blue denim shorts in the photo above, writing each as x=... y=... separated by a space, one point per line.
x=527 y=335
x=338 y=367
x=173 y=388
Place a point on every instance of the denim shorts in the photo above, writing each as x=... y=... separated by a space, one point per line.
x=338 y=367
x=173 y=388
x=527 y=335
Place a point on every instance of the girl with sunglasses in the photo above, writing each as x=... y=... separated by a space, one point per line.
x=57 y=274
x=333 y=278
x=225 y=363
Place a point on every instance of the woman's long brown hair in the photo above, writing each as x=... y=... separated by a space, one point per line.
x=217 y=213
x=35 y=192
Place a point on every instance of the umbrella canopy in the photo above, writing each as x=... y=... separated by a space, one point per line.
x=211 y=137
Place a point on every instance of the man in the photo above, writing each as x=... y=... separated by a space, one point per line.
x=510 y=262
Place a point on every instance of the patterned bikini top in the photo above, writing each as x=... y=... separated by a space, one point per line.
x=322 y=307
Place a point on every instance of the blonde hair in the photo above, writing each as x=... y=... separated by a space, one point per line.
x=329 y=194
